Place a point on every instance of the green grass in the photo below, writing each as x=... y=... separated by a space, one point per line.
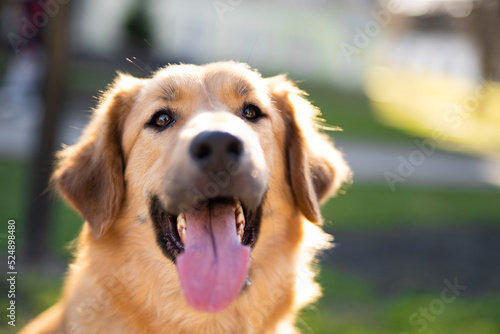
x=65 y=224
x=35 y=292
x=14 y=188
x=352 y=306
x=377 y=207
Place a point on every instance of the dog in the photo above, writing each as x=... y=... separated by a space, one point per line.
x=201 y=189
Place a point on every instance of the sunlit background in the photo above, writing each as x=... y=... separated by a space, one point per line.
x=414 y=84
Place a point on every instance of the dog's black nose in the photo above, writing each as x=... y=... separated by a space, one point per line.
x=212 y=150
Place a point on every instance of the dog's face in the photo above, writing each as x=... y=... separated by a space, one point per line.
x=205 y=155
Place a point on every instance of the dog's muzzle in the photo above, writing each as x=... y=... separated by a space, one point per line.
x=216 y=165
x=208 y=216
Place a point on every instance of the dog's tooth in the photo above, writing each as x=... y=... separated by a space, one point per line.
x=240 y=218
x=240 y=230
x=183 y=235
x=181 y=221
x=239 y=209
x=181 y=226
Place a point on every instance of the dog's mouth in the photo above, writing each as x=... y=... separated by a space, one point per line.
x=172 y=231
x=210 y=246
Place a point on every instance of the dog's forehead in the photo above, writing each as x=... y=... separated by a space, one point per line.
x=175 y=81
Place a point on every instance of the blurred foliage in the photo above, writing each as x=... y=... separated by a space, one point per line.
x=463 y=112
x=137 y=25
x=352 y=113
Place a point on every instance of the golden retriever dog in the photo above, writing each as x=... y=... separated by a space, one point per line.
x=200 y=188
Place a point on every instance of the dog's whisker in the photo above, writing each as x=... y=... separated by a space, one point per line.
x=139 y=67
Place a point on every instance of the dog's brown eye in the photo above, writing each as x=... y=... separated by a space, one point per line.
x=160 y=120
x=163 y=120
x=251 y=112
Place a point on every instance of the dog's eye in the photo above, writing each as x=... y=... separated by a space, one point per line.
x=161 y=119
x=251 y=112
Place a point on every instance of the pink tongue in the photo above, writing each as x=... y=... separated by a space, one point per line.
x=214 y=265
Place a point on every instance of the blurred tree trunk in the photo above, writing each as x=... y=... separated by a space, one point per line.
x=55 y=40
x=486 y=27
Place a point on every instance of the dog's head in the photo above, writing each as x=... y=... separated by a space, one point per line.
x=206 y=153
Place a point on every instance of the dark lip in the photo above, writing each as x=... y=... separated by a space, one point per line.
x=167 y=236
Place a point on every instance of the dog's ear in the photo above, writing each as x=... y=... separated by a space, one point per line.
x=317 y=170
x=89 y=174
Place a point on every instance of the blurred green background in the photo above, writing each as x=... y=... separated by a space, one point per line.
x=396 y=247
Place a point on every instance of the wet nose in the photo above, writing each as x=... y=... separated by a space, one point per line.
x=213 y=150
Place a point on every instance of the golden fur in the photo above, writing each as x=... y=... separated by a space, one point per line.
x=120 y=282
